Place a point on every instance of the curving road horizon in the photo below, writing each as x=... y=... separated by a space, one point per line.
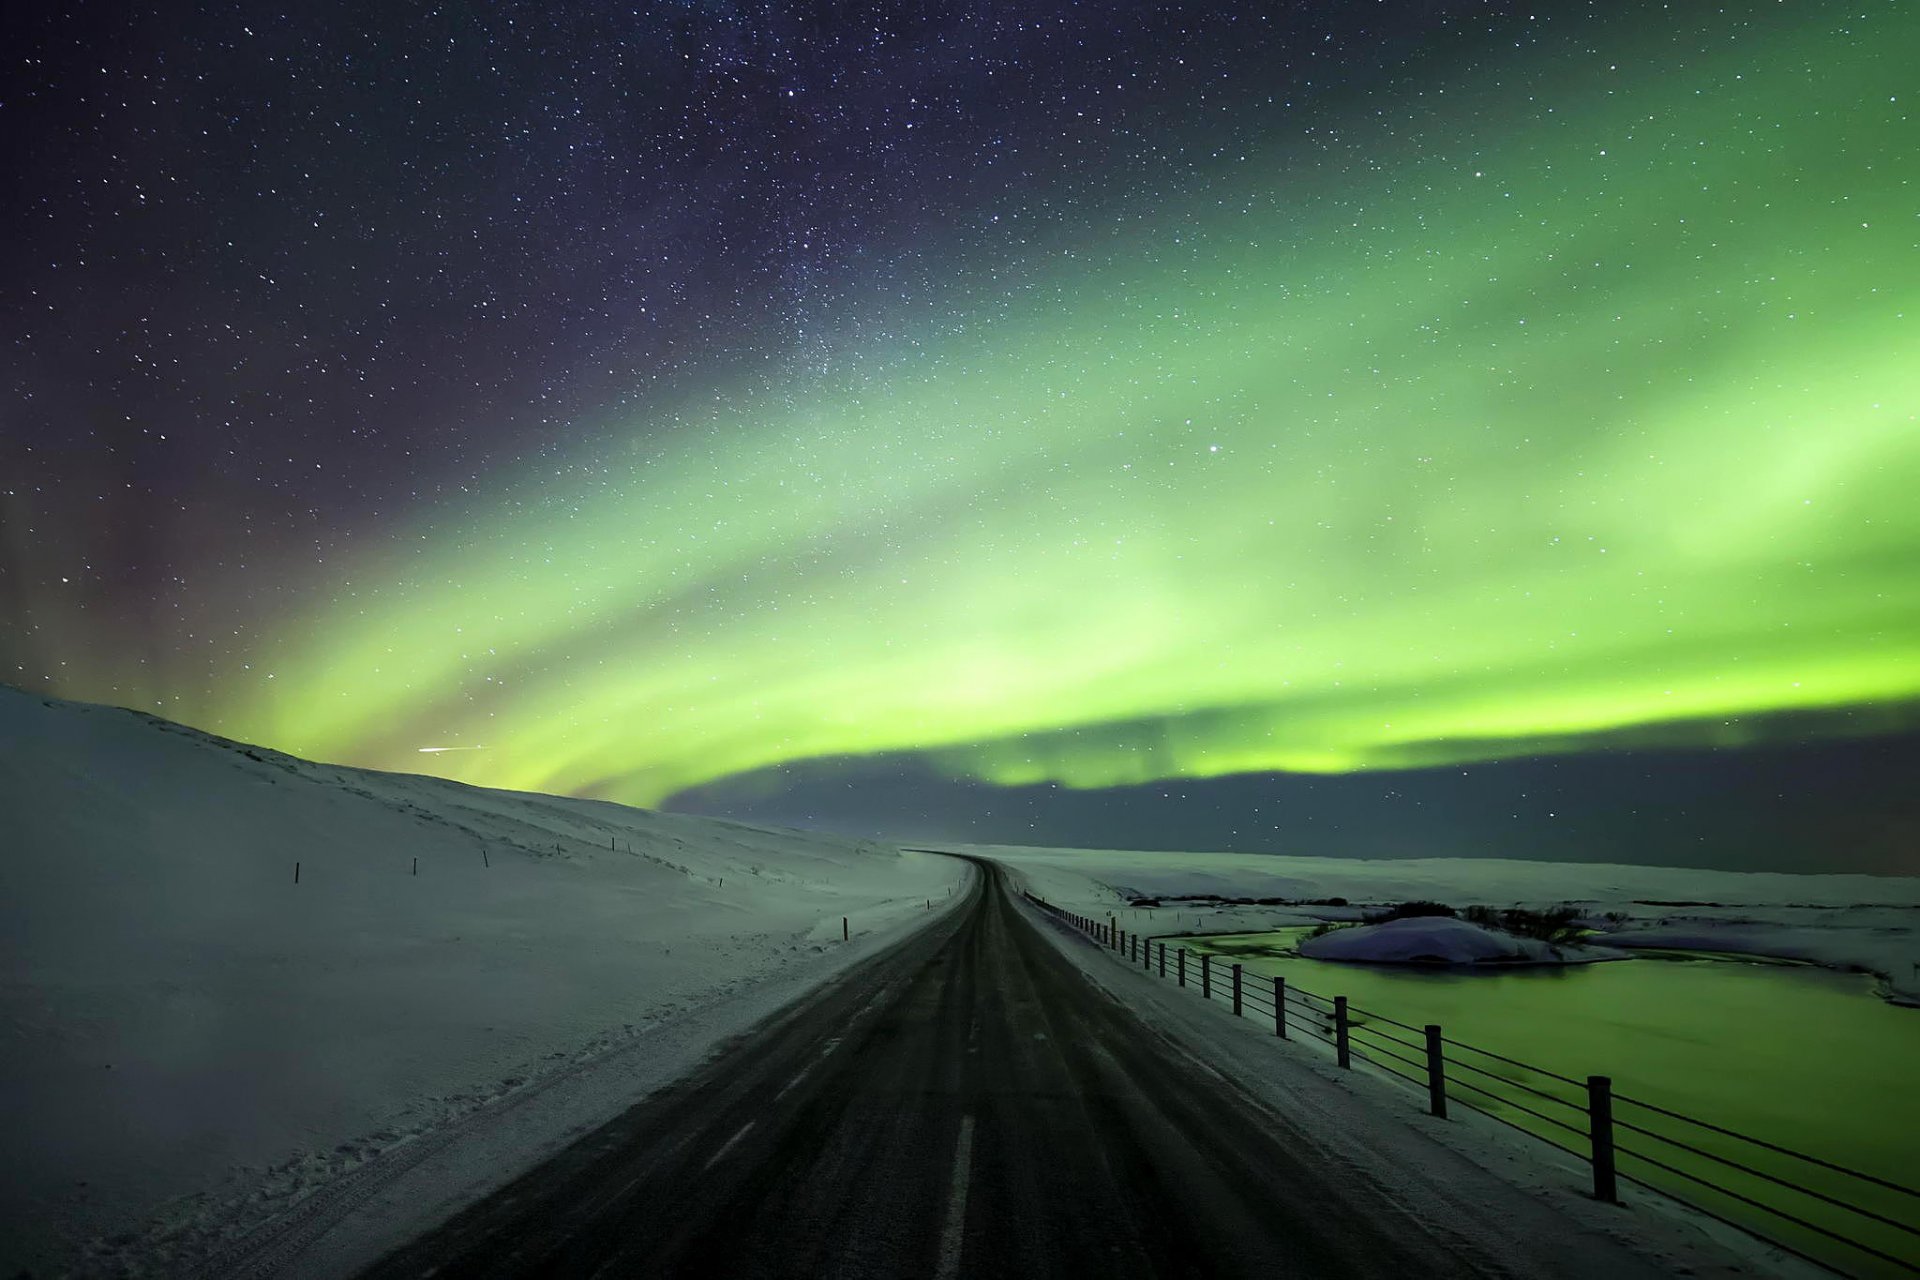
x=966 y=1103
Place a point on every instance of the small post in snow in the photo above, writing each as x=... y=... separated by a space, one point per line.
x=1600 y=1129
x=1280 y=1006
x=1343 y=1048
x=1436 y=1074
x=296 y=872
x=1236 y=991
x=483 y=857
x=416 y=866
x=844 y=932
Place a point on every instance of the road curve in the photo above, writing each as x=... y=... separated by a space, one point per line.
x=967 y=1103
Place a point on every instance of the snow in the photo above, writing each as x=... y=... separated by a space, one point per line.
x=1873 y=940
x=1855 y=922
x=191 y=1043
x=1442 y=940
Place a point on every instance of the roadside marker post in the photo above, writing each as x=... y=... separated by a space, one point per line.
x=1236 y=991
x=1206 y=975
x=1182 y=959
x=1600 y=1129
x=1436 y=1073
x=1280 y=1006
x=1342 y=1047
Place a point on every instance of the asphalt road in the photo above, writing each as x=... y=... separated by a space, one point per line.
x=965 y=1104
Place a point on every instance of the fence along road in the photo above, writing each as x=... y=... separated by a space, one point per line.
x=1840 y=1219
x=966 y=1104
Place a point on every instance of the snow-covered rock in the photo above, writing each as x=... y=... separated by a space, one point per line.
x=1443 y=940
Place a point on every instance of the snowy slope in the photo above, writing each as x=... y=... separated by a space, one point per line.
x=178 y=1016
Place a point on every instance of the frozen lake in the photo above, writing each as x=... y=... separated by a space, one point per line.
x=1800 y=1056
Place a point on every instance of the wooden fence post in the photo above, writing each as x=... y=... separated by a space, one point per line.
x=1343 y=1049
x=1600 y=1129
x=1236 y=991
x=845 y=933
x=1163 y=959
x=296 y=873
x=1182 y=959
x=1280 y=1006
x=1436 y=1073
x=1206 y=975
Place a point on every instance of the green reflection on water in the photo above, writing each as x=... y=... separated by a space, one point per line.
x=1804 y=1057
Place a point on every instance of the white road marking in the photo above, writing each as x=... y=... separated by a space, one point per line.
x=727 y=1146
x=949 y=1265
x=807 y=1070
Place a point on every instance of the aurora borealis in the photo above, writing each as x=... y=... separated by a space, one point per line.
x=1232 y=396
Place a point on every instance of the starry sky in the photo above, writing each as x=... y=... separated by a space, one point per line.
x=1376 y=428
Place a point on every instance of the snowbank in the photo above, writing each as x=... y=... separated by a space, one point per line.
x=1441 y=940
x=178 y=1015
x=1870 y=940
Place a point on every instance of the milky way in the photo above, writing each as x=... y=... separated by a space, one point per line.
x=1533 y=390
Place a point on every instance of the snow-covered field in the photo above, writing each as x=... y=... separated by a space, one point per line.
x=192 y=1043
x=1868 y=923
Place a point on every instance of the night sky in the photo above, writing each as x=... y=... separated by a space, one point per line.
x=1366 y=428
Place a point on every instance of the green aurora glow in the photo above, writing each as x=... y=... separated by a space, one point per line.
x=1576 y=411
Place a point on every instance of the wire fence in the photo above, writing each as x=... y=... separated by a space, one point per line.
x=1841 y=1219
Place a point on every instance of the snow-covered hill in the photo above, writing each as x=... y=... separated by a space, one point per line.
x=180 y=1018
